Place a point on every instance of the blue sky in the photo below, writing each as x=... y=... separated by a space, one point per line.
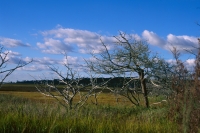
x=42 y=29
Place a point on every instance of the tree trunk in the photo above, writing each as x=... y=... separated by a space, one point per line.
x=144 y=89
x=70 y=103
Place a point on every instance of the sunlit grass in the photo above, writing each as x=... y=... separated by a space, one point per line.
x=30 y=115
x=103 y=98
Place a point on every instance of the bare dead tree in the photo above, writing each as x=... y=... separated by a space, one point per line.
x=70 y=90
x=129 y=56
x=5 y=70
x=127 y=88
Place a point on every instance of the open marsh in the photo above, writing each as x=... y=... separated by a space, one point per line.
x=23 y=115
x=22 y=111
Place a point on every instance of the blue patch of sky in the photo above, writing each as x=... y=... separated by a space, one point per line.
x=25 y=19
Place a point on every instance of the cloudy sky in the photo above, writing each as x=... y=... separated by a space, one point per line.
x=43 y=29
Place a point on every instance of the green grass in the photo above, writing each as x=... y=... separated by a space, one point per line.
x=19 y=115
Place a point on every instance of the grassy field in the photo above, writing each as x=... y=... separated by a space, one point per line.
x=22 y=111
x=29 y=91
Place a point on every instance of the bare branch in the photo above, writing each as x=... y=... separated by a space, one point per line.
x=71 y=86
x=129 y=56
x=4 y=70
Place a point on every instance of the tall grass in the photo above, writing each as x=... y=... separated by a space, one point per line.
x=185 y=102
x=18 y=115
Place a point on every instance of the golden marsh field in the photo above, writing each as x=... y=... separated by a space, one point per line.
x=25 y=110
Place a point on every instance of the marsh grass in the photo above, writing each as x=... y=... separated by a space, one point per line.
x=103 y=98
x=18 y=115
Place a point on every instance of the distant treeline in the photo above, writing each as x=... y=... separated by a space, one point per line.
x=117 y=81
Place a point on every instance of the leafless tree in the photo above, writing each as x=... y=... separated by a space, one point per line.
x=6 y=70
x=129 y=88
x=130 y=56
x=70 y=90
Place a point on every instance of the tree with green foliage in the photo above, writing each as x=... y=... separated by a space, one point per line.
x=130 y=57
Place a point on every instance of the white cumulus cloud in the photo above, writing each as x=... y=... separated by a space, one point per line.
x=65 y=39
x=181 y=42
x=35 y=68
x=9 y=42
x=153 y=38
x=54 y=46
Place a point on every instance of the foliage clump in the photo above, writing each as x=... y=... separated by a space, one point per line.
x=185 y=102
